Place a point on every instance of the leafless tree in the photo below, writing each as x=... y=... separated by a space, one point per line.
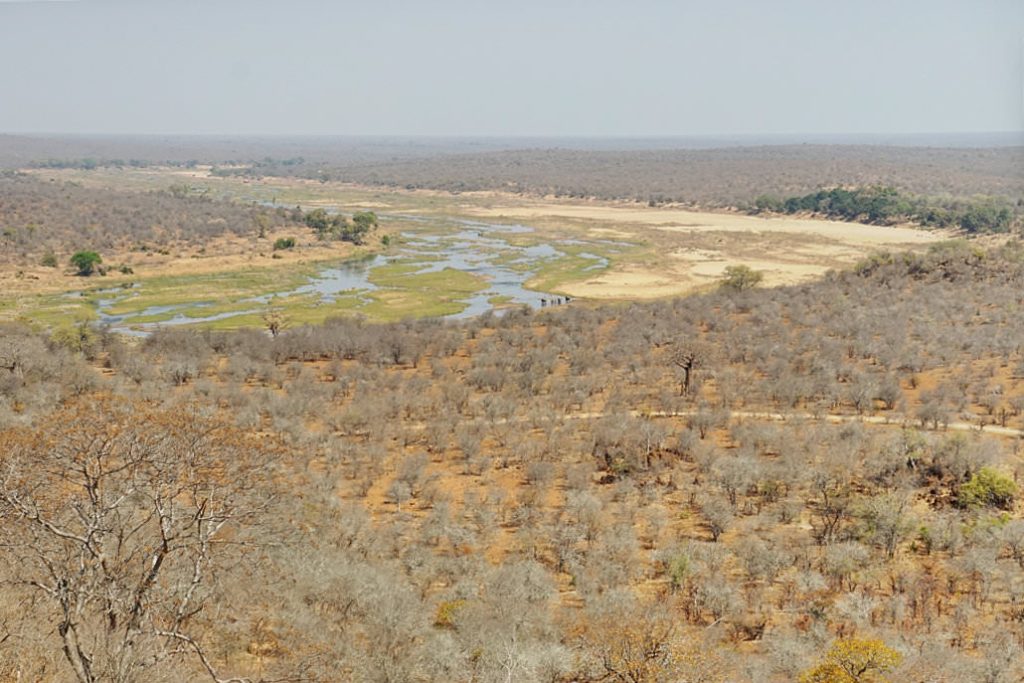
x=118 y=519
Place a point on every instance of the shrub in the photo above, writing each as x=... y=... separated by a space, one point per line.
x=987 y=488
x=284 y=243
x=49 y=260
x=445 y=616
x=740 y=278
x=85 y=262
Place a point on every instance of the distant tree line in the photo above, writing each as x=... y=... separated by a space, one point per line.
x=90 y=163
x=709 y=177
x=883 y=205
x=39 y=217
x=729 y=177
x=226 y=167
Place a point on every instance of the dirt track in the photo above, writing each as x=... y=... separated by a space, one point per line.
x=900 y=421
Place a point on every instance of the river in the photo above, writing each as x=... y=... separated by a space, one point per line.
x=474 y=247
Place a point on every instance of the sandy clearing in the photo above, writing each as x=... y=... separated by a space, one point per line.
x=609 y=232
x=775 y=273
x=695 y=247
x=697 y=255
x=817 y=250
x=631 y=284
x=681 y=220
x=691 y=275
x=786 y=260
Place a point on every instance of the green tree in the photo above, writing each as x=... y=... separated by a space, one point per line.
x=79 y=336
x=987 y=488
x=740 y=278
x=362 y=223
x=85 y=262
x=365 y=220
x=319 y=221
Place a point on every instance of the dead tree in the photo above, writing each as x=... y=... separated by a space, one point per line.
x=119 y=520
x=687 y=361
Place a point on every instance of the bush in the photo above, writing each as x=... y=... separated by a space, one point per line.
x=49 y=260
x=445 y=616
x=740 y=278
x=85 y=262
x=987 y=488
x=284 y=243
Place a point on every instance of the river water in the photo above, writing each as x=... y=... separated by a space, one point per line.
x=475 y=247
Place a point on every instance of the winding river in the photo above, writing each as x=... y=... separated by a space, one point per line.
x=475 y=247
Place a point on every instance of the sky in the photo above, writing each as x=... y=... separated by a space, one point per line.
x=511 y=68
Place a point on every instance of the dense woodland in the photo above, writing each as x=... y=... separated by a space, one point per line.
x=582 y=494
x=886 y=206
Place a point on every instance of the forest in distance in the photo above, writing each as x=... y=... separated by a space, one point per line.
x=816 y=481
x=691 y=173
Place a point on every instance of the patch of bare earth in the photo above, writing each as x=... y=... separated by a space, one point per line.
x=692 y=249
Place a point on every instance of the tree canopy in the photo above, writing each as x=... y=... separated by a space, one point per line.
x=884 y=205
x=741 y=277
x=85 y=262
x=853 y=660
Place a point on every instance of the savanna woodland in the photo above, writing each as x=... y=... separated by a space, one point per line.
x=816 y=482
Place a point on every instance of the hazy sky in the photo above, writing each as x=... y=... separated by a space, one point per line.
x=518 y=67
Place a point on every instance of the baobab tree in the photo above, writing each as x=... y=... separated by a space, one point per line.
x=688 y=357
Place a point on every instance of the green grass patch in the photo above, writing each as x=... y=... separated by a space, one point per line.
x=551 y=276
x=441 y=282
x=52 y=310
x=296 y=310
x=405 y=293
x=178 y=290
x=400 y=304
x=516 y=262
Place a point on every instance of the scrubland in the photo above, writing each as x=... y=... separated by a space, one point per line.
x=216 y=245
x=707 y=177
x=731 y=486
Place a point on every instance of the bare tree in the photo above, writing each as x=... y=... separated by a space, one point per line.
x=117 y=519
x=687 y=360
